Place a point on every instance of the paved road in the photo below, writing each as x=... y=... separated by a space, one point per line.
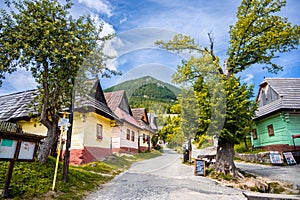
x=289 y=174
x=164 y=177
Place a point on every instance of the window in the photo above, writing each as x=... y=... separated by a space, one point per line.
x=99 y=132
x=132 y=136
x=271 y=130
x=144 y=138
x=128 y=134
x=254 y=134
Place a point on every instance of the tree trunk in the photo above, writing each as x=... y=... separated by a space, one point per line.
x=225 y=156
x=47 y=145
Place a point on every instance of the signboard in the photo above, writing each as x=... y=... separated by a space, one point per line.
x=275 y=157
x=199 y=167
x=26 y=150
x=63 y=122
x=8 y=148
x=289 y=158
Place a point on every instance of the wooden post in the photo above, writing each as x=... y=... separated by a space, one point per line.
x=68 y=146
x=58 y=154
x=10 y=171
x=8 y=178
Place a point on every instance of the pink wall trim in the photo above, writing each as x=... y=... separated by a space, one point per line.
x=88 y=154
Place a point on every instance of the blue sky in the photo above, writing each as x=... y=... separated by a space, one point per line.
x=138 y=24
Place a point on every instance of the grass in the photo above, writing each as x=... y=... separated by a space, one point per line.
x=34 y=180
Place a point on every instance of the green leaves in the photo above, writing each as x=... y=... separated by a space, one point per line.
x=258 y=35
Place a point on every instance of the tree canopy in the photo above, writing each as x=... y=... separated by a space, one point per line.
x=225 y=107
x=42 y=37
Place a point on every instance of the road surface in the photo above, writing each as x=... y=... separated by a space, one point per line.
x=164 y=177
x=290 y=174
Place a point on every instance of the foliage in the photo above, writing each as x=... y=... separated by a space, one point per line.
x=154 y=90
x=225 y=108
x=34 y=179
x=147 y=92
x=154 y=142
x=132 y=85
x=42 y=37
x=259 y=34
x=170 y=130
x=189 y=113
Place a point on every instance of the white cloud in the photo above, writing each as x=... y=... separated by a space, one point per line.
x=99 y=5
x=123 y=20
x=248 y=78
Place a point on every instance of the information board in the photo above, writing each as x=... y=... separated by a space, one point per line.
x=289 y=158
x=8 y=148
x=26 y=150
x=275 y=157
x=199 y=166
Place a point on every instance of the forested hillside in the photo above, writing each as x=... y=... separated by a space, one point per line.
x=148 y=92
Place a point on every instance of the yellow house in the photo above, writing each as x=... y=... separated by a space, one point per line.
x=92 y=124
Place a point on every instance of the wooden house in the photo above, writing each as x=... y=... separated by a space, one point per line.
x=141 y=116
x=126 y=134
x=277 y=120
x=92 y=125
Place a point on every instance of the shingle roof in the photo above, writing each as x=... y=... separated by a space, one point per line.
x=15 y=105
x=138 y=114
x=91 y=102
x=288 y=90
x=114 y=100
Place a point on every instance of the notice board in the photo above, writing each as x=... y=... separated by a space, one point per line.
x=199 y=167
x=289 y=158
x=8 y=148
x=275 y=157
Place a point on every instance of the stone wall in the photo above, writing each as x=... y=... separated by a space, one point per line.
x=262 y=157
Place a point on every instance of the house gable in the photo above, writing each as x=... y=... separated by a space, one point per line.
x=278 y=94
x=267 y=95
x=97 y=92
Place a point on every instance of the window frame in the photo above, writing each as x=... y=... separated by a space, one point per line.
x=132 y=136
x=254 y=134
x=271 y=130
x=99 y=132
x=128 y=134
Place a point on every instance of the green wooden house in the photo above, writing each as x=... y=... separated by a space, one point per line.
x=277 y=118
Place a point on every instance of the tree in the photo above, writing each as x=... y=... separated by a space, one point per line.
x=42 y=37
x=256 y=38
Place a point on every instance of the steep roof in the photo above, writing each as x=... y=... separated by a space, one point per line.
x=140 y=115
x=118 y=103
x=16 y=105
x=152 y=119
x=288 y=92
x=114 y=99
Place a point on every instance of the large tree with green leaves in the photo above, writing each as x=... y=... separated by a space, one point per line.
x=257 y=37
x=41 y=36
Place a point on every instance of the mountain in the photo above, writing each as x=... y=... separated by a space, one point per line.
x=148 y=92
x=132 y=85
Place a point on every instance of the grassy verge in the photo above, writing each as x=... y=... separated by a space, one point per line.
x=33 y=180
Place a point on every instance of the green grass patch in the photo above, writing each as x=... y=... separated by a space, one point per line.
x=34 y=179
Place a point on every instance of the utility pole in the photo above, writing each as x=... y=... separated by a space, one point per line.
x=149 y=132
x=69 y=135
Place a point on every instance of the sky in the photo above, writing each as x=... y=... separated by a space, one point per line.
x=138 y=24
